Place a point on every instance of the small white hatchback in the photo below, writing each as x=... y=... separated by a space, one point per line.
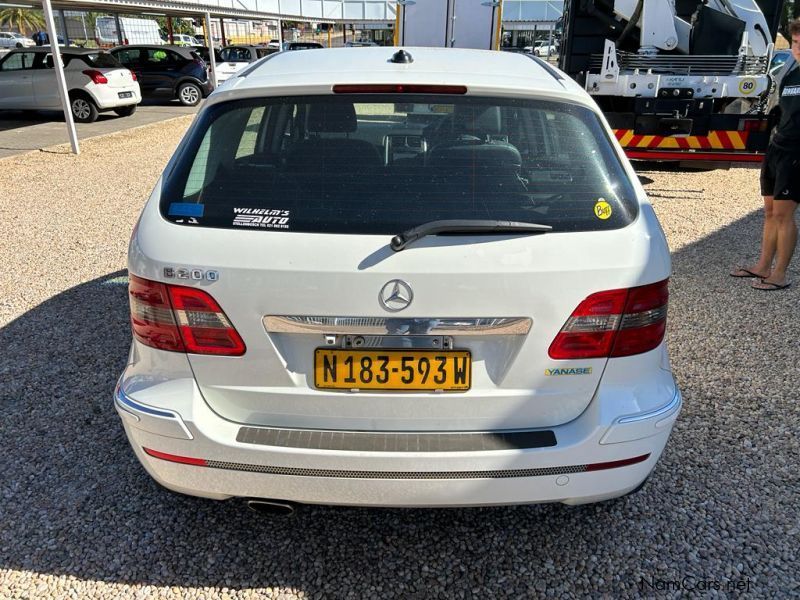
x=421 y=277
x=95 y=82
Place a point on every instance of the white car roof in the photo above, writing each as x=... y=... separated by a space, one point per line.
x=484 y=72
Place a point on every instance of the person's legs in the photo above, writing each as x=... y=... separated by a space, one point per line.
x=786 y=229
x=769 y=240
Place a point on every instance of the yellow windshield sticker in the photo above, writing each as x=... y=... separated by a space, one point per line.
x=602 y=209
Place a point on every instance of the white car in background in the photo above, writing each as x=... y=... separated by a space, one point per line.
x=10 y=39
x=182 y=39
x=545 y=50
x=541 y=48
x=232 y=59
x=96 y=83
x=335 y=300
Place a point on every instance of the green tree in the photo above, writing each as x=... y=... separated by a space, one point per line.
x=178 y=26
x=24 y=20
x=791 y=10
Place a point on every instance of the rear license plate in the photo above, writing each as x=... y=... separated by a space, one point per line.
x=393 y=370
x=125 y=94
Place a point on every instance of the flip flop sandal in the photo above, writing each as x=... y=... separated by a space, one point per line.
x=774 y=287
x=748 y=274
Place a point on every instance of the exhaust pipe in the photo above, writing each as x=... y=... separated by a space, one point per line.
x=272 y=508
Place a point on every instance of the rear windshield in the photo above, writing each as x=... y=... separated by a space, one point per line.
x=235 y=55
x=380 y=164
x=101 y=60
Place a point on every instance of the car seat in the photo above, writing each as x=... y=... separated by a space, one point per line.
x=332 y=154
x=473 y=137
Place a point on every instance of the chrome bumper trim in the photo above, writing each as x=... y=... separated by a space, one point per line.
x=667 y=408
x=397 y=326
x=155 y=420
x=128 y=403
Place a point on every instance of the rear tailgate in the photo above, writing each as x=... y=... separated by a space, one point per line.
x=226 y=70
x=118 y=78
x=514 y=383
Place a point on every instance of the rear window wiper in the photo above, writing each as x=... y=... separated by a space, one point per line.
x=400 y=241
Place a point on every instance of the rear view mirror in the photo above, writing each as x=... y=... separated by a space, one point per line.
x=48 y=61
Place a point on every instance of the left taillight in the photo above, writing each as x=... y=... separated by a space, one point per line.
x=181 y=319
x=133 y=76
x=95 y=76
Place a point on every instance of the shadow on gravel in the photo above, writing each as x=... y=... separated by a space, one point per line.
x=76 y=502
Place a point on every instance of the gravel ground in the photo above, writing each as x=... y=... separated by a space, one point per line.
x=79 y=518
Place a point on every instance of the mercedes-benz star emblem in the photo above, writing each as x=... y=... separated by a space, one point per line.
x=395 y=295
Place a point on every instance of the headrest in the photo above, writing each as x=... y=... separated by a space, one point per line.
x=331 y=118
x=477 y=118
x=493 y=155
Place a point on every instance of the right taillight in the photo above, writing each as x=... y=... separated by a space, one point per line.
x=614 y=323
x=181 y=319
x=645 y=320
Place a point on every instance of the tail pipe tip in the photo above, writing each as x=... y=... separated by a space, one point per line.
x=272 y=508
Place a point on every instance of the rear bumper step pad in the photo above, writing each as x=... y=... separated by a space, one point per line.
x=357 y=441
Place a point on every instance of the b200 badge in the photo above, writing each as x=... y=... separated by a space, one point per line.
x=194 y=274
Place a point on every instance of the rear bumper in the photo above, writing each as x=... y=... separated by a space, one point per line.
x=221 y=467
x=108 y=98
x=721 y=157
x=206 y=87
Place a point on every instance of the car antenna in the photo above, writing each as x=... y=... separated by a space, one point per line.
x=402 y=57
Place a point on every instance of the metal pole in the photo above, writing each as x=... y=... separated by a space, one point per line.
x=280 y=28
x=170 y=32
x=119 y=28
x=64 y=25
x=59 y=68
x=222 y=31
x=211 y=57
x=85 y=33
x=330 y=26
x=499 y=27
x=397 y=18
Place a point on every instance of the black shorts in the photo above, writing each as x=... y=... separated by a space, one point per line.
x=780 y=174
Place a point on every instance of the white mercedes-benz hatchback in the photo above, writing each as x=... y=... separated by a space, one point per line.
x=420 y=277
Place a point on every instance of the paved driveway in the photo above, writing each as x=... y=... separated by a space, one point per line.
x=25 y=131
